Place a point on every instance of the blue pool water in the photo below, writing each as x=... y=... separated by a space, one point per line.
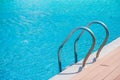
x=32 y=30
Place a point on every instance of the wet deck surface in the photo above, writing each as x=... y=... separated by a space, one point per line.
x=105 y=68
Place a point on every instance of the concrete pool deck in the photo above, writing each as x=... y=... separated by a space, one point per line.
x=106 y=67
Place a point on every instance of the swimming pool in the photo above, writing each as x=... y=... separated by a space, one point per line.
x=32 y=30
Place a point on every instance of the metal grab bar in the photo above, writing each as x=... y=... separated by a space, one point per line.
x=68 y=37
x=103 y=43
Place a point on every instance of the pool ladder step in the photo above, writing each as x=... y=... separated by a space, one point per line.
x=77 y=39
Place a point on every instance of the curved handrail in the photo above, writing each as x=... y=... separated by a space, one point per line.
x=103 y=43
x=68 y=37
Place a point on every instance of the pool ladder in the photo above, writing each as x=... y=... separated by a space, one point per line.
x=77 y=39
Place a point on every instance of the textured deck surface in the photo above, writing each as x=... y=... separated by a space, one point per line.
x=106 y=68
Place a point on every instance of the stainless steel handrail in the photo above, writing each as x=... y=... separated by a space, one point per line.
x=68 y=37
x=103 y=43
